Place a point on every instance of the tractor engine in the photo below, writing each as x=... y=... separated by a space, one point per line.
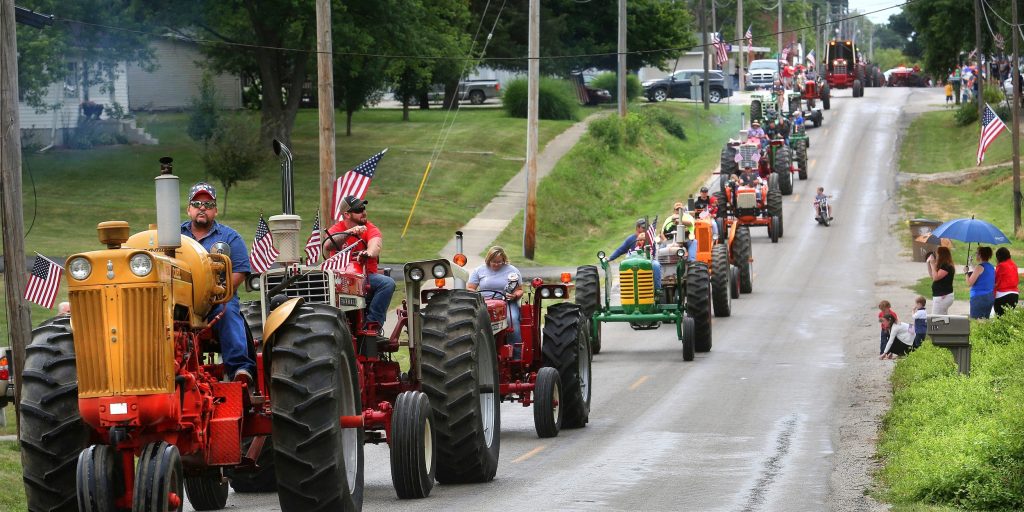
x=497 y=310
x=746 y=202
x=636 y=281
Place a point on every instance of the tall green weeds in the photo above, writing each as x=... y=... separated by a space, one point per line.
x=556 y=99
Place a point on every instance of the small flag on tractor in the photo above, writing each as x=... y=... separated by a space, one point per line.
x=43 y=282
x=355 y=182
x=313 y=244
x=264 y=254
x=652 y=237
x=991 y=127
x=337 y=262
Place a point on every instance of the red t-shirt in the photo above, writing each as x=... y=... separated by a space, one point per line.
x=370 y=233
x=882 y=313
x=1007 y=278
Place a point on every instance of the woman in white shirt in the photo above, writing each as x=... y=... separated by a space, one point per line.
x=900 y=337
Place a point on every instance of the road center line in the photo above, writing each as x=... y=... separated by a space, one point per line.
x=641 y=380
x=796 y=198
x=813 y=162
x=529 y=454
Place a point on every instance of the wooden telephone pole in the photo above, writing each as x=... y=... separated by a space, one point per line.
x=325 y=101
x=1017 y=231
x=532 y=125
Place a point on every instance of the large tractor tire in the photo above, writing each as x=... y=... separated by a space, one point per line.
x=254 y=319
x=756 y=111
x=262 y=478
x=723 y=207
x=588 y=289
x=100 y=479
x=773 y=230
x=783 y=159
x=801 y=160
x=412 y=446
x=52 y=432
x=721 y=295
x=207 y=491
x=460 y=376
x=743 y=250
x=826 y=98
x=698 y=304
x=858 y=89
x=774 y=201
x=567 y=349
x=158 y=475
x=727 y=163
x=314 y=382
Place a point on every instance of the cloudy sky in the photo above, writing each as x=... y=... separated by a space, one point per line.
x=874 y=5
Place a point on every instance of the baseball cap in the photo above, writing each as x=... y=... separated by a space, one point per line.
x=202 y=186
x=703 y=189
x=641 y=223
x=354 y=203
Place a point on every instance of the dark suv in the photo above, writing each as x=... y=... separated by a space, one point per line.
x=677 y=85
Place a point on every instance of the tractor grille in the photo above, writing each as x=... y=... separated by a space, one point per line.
x=637 y=287
x=313 y=287
x=839 y=69
x=746 y=199
x=749 y=155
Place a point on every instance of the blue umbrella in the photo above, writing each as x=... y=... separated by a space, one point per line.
x=971 y=231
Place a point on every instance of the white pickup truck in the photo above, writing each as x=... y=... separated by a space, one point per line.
x=474 y=91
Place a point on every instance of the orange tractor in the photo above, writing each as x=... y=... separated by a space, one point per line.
x=758 y=202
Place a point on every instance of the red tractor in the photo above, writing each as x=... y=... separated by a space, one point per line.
x=758 y=204
x=771 y=159
x=906 y=77
x=815 y=90
x=843 y=69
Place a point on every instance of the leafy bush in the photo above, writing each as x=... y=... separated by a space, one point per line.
x=966 y=114
x=610 y=82
x=666 y=119
x=557 y=99
x=233 y=153
x=202 y=121
x=613 y=132
x=956 y=440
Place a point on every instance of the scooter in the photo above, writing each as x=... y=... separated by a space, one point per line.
x=823 y=217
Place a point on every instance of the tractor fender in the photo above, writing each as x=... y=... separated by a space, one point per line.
x=278 y=317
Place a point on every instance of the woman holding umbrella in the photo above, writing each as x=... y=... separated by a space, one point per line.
x=982 y=281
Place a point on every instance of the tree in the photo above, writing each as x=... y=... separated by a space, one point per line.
x=943 y=28
x=202 y=121
x=233 y=154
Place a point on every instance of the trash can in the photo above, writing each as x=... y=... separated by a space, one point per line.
x=920 y=230
x=953 y=332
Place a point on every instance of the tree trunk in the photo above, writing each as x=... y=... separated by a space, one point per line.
x=424 y=100
x=451 y=90
x=405 y=109
x=348 y=122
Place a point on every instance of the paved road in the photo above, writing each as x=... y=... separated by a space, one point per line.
x=752 y=425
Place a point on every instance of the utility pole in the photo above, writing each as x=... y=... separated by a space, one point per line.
x=1017 y=231
x=977 y=55
x=325 y=101
x=704 y=80
x=714 y=22
x=532 y=102
x=741 y=36
x=780 y=31
x=19 y=315
x=621 y=59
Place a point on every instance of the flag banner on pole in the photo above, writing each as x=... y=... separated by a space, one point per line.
x=263 y=253
x=313 y=244
x=991 y=127
x=652 y=236
x=721 y=53
x=43 y=282
x=749 y=36
x=810 y=57
x=355 y=182
x=337 y=262
x=786 y=51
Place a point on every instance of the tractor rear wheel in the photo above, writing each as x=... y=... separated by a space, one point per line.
x=781 y=164
x=816 y=119
x=412 y=446
x=100 y=479
x=773 y=230
x=52 y=432
x=727 y=164
x=262 y=478
x=781 y=224
x=460 y=375
x=547 y=405
x=314 y=382
x=721 y=295
x=858 y=89
x=158 y=475
x=207 y=491
x=253 y=315
x=801 y=159
x=688 y=339
x=794 y=104
x=698 y=303
x=826 y=99
x=756 y=112
x=743 y=250
x=588 y=289
x=774 y=201
x=566 y=349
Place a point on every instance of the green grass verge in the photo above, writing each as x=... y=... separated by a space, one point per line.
x=959 y=441
x=12 y=490
x=592 y=197
x=934 y=143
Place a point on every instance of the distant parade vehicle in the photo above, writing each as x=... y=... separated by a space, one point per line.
x=842 y=67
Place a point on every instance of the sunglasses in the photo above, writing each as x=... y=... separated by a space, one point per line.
x=203 y=204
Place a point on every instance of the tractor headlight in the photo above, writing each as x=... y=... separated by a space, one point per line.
x=253 y=282
x=680 y=252
x=559 y=293
x=545 y=292
x=439 y=271
x=79 y=268
x=416 y=274
x=141 y=264
x=600 y=255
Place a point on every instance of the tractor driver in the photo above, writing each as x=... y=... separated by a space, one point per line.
x=352 y=228
x=629 y=244
x=668 y=230
x=498 y=275
x=755 y=131
x=701 y=203
x=203 y=227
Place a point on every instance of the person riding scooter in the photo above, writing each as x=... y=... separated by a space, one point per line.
x=818 y=198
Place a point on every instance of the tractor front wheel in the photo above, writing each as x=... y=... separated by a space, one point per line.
x=412 y=446
x=721 y=296
x=826 y=99
x=52 y=432
x=588 y=289
x=547 y=407
x=744 y=250
x=159 y=486
x=774 y=201
x=566 y=349
x=100 y=479
x=207 y=491
x=688 y=339
x=801 y=159
x=781 y=164
x=314 y=382
x=698 y=303
x=773 y=230
x=460 y=375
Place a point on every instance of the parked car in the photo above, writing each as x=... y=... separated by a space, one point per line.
x=678 y=84
x=474 y=91
x=6 y=377
x=595 y=96
x=762 y=73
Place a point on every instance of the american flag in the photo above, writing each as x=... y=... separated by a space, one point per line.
x=991 y=127
x=355 y=182
x=721 y=53
x=810 y=57
x=337 y=262
x=314 y=242
x=786 y=51
x=581 y=89
x=43 y=282
x=652 y=236
x=263 y=254
x=749 y=36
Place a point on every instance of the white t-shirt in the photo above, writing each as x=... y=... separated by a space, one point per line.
x=899 y=331
x=497 y=280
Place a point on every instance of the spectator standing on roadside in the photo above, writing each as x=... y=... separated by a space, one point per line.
x=885 y=308
x=941 y=270
x=982 y=281
x=920 y=317
x=1007 y=281
x=949 y=93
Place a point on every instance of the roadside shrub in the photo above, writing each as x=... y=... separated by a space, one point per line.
x=666 y=119
x=967 y=114
x=233 y=153
x=557 y=99
x=614 y=132
x=610 y=81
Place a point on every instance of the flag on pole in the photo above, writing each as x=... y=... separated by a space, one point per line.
x=263 y=254
x=991 y=127
x=652 y=236
x=786 y=51
x=810 y=57
x=43 y=282
x=313 y=245
x=355 y=182
x=337 y=262
x=749 y=36
x=721 y=54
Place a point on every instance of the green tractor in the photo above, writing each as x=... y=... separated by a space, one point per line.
x=798 y=143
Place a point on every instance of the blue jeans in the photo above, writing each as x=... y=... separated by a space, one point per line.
x=981 y=305
x=883 y=342
x=657 y=272
x=382 y=288
x=230 y=331
x=514 y=318
x=691 y=249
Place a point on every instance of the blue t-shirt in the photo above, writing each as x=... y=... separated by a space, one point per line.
x=497 y=280
x=222 y=233
x=986 y=283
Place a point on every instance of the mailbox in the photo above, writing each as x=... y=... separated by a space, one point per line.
x=953 y=332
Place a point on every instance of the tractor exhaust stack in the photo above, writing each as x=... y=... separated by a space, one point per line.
x=168 y=221
x=286 y=226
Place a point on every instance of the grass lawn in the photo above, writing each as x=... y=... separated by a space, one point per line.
x=592 y=198
x=934 y=143
x=12 y=490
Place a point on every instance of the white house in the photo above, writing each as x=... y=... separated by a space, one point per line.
x=175 y=81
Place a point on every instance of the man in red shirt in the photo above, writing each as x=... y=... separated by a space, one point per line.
x=354 y=227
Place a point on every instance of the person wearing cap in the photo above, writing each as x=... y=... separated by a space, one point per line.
x=203 y=227
x=630 y=245
x=668 y=230
x=352 y=229
x=755 y=131
x=701 y=203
